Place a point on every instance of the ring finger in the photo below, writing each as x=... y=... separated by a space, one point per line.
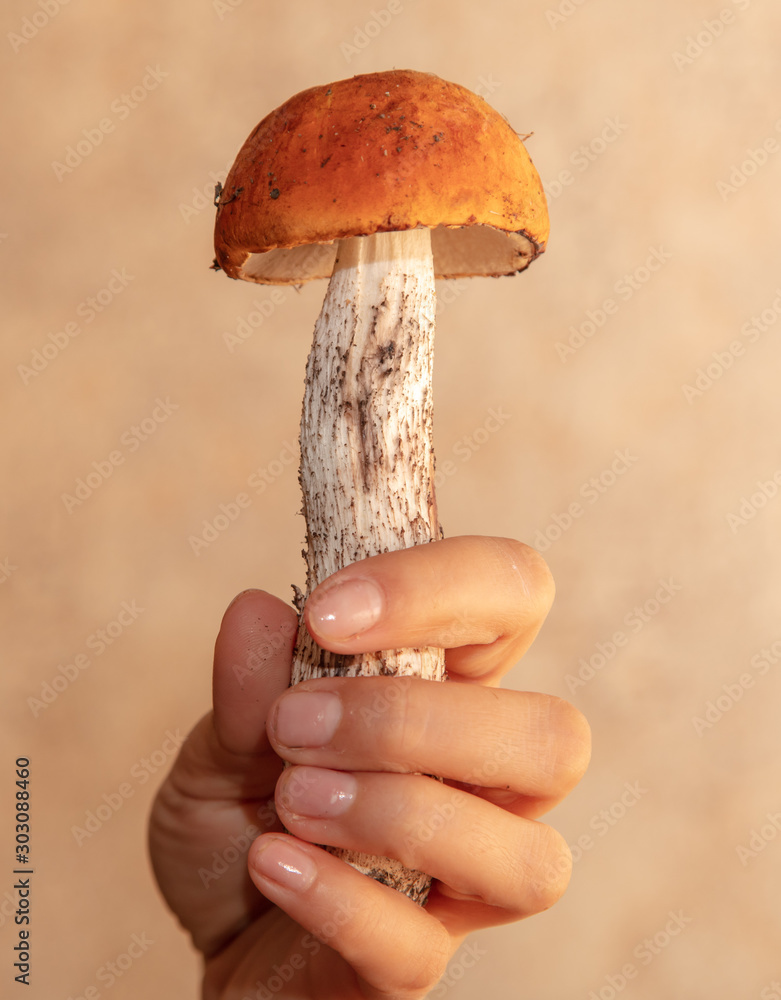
x=479 y=851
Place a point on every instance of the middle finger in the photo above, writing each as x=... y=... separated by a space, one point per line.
x=530 y=744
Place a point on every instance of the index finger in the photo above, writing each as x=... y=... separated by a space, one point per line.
x=482 y=599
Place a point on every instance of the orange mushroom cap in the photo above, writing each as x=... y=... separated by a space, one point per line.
x=375 y=153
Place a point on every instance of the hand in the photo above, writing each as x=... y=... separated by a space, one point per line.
x=276 y=916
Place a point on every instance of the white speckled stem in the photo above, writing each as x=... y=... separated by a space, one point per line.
x=367 y=457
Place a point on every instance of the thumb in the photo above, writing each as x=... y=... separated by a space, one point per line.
x=252 y=662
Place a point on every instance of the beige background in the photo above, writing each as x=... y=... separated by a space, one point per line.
x=140 y=203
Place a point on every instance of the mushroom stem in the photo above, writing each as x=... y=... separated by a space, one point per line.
x=367 y=457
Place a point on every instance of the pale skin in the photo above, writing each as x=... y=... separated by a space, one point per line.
x=285 y=916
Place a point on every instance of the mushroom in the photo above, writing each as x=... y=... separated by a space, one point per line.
x=382 y=182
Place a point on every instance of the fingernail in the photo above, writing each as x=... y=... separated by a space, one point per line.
x=317 y=793
x=307 y=718
x=346 y=609
x=285 y=864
